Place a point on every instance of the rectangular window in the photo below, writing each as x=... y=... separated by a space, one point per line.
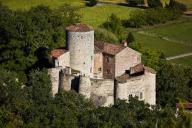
x=99 y=69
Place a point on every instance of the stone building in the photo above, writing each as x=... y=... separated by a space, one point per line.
x=100 y=71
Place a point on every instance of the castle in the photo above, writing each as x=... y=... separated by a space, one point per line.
x=100 y=71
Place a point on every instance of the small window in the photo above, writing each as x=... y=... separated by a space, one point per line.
x=99 y=69
x=108 y=71
x=90 y=70
x=91 y=57
x=84 y=63
x=81 y=37
x=107 y=59
x=130 y=95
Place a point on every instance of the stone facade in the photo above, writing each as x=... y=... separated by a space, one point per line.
x=125 y=59
x=64 y=60
x=102 y=92
x=108 y=66
x=101 y=72
x=142 y=86
x=98 y=65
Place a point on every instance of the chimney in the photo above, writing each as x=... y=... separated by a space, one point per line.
x=124 y=43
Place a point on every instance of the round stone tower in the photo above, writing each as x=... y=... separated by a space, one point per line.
x=80 y=42
x=85 y=86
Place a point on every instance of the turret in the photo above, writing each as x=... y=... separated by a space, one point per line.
x=85 y=86
x=80 y=42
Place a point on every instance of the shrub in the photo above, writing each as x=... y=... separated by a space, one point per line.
x=135 y=2
x=104 y=35
x=177 y=5
x=91 y=2
x=154 y=3
x=130 y=38
x=114 y=25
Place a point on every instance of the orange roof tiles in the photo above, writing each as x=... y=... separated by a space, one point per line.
x=78 y=27
x=58 y=52
x=109 y=48
x=184 y=105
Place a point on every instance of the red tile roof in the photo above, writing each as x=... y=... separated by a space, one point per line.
x=108 y=48
x=184 y=105
x=136 y=69
x=188 y=13
x=78 y=27
x=58 y=52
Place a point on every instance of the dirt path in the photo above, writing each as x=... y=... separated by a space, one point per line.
x=179 y=56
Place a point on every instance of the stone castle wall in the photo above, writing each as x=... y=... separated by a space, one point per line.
x=141 y=86
x=54 y=75
x=102 y=92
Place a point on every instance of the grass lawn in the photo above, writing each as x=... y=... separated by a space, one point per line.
x=27 y=4
x=113 y=1
x=184 y=61
x=97 y=15
x=169 y=48
x=178 y=32
x=171 y=39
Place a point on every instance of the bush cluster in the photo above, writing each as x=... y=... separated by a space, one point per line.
x=135 y=2
x=115 y=26
x=177 y=5
x=91 y=2
x=152 y=17
x=104 y=35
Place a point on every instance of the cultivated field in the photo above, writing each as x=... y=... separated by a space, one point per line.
x=184 y=61
x=98 y=15
x=179 y=32
x=171 y=39
x=169 y=48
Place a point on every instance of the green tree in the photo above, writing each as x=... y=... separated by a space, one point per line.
x=130 y=38
x=154 y=3
x=40 y=86
x=91 y=2
x=114 y=25
x=102 y=34
x=172 y=84
x=135 y=2
x=27 y=31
